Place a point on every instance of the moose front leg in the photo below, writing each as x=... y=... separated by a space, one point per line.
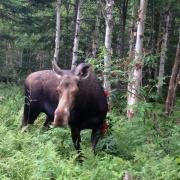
x=47 y=122
x=76 y=138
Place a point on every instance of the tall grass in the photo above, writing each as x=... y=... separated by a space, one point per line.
x=146 y=151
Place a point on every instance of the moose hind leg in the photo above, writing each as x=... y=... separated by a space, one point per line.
x=29 y=115
x=94 y=138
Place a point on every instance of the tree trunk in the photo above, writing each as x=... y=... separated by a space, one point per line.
x=170 y=100
x=132 y=27
x=127 y=176
x=108 y=39
x=123 y=15
x=76 y=2
x=20 y=57
x=76 y=37
x=96 y=31
x=67 y=51
x=136 y=73
x=155 y=39
x=57 y=38
x=163 y=56
x=131 y=47
x=151 y=43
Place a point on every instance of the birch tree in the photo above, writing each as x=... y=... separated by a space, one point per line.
x=163 y=55
x=108 y=38
x=76 y=36
x=132 y=27
x=57 y=38
x=136 y=73
x=173 y=83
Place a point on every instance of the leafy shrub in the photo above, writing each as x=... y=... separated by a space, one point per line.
x=144 y=149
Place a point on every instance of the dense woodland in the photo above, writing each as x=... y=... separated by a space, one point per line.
x=134 y=48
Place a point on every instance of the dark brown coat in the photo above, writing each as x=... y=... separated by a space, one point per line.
x=73 y=98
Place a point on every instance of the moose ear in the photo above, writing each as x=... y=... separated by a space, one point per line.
x=57 y=69
x=83 y=70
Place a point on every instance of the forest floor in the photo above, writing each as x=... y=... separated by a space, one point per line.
x=148 y=147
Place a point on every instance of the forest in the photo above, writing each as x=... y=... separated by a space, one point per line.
x=134 y=48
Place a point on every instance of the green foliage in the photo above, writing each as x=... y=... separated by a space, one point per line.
x=147 y=147
x=151 y=61
x=29 y=26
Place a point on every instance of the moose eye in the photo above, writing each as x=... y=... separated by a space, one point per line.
x=78 y=83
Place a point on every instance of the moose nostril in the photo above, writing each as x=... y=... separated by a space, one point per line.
x=56 y=125
x=59 y=124
x=61 y=118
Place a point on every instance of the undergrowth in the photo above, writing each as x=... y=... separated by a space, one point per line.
x=148 y=147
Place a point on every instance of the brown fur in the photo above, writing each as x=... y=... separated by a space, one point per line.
x=73 y=98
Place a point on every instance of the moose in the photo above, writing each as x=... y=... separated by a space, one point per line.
x=71 y=98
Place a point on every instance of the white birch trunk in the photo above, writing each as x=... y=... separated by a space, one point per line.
x=170 y=100
x=163 y=56
x=131 y=40
x=136 y=73
x=127 y=176
x=57 y=38
x=76 y=38
x=108 y=39
x=131 y=53
x=96 y=31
